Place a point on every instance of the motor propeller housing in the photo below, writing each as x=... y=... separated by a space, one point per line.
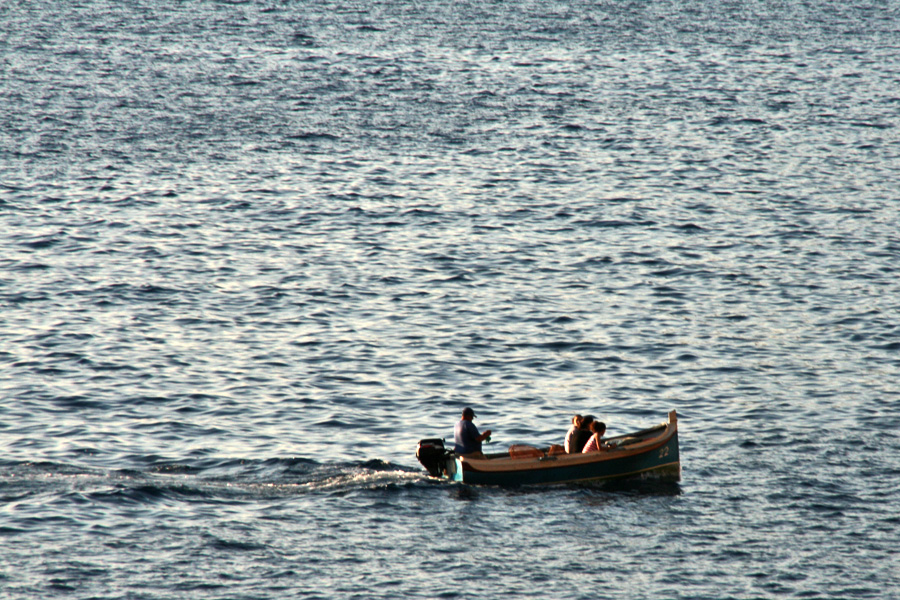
x=432 y=454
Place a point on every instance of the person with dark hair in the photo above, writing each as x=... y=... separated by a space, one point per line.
x=581 y=437
x=466 y=436
x=596 y=443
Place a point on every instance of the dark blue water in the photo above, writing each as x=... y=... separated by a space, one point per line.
x=250 y=253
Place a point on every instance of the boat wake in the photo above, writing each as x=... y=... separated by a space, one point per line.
x=24 y=483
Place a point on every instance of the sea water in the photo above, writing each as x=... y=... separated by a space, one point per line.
x=251 y=252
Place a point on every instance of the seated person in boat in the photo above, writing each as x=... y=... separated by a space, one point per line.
x=596 y=442
x=581 y=435
x=466 y=436
x=570 y=435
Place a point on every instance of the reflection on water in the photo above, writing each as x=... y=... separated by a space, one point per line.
x=252 y=252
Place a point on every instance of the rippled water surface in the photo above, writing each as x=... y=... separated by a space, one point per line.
x=252 y=252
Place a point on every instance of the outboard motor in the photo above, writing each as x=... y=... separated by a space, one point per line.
x=432 y=454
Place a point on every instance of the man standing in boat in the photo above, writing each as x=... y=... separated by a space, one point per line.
x=468 y=440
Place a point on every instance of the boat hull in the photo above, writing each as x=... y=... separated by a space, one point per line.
x=649 y=453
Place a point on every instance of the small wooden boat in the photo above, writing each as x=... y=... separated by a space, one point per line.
x=649 y=452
